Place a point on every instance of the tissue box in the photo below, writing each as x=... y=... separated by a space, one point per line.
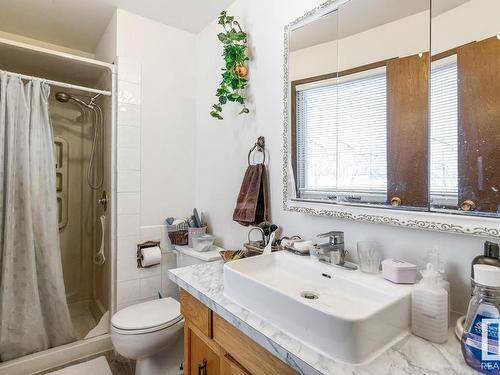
x=399 y=271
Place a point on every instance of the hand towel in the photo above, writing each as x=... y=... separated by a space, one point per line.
x=252 y=204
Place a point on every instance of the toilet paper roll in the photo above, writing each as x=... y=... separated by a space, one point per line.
x=150 y=256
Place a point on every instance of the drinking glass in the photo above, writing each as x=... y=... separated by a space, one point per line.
x=369 y=257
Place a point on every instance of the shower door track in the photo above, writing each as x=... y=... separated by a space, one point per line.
x=60 y=84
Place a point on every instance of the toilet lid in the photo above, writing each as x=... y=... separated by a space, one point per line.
x=146 y=315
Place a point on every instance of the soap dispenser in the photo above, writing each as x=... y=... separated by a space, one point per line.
x=430 y=307
x=490 y=257
x=437 y=262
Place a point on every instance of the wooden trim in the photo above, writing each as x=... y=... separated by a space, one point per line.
x=196 y=312
x=447 y=53
x=253 y=357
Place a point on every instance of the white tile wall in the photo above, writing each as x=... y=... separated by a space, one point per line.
x=129 y=159
x=131 y=287
x=128 y=181
x=128 y=92
x=134 y=284
x=129 y=114
x=129 y=203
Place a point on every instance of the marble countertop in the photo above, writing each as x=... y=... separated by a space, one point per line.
x=411 y=355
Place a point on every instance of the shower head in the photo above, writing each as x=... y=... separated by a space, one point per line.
x=64 y=97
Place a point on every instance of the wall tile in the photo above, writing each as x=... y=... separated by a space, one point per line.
x=129 y=93
x=129 y=137
x=128 y=203
x=129 y=159
x=129 y=70
x=152 y=232
x=129 y=115
x=128 y=291
x=150 y=286
x=128 y=181
x=127 y=266
x=127 y=244
x=128 y=225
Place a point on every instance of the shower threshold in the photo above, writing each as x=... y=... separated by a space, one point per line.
x=50 y=358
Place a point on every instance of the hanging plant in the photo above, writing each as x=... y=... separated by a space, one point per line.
x=234 y=73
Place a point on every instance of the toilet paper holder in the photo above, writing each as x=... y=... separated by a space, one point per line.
x=145 y=245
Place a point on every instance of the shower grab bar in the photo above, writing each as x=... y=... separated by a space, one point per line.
x=100 y=258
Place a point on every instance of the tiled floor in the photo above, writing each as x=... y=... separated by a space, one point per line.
x=123 y=366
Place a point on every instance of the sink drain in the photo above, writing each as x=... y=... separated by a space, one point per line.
x=309 y=295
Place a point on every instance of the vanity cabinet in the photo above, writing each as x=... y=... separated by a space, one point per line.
x=212 y=346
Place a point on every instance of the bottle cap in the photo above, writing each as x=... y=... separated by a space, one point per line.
x=487 y=275
x=491 y=249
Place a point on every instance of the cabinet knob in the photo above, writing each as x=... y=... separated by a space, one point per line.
x=395 y=201
x=202 y=368
x=468 y=205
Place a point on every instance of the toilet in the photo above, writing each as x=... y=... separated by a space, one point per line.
x=146 y=332
x=149 y=332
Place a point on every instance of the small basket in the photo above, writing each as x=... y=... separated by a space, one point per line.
x=178 y=237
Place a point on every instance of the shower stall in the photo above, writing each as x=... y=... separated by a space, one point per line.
x=81 y=108
x=78 y=126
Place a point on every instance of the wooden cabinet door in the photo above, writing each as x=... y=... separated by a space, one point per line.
x=201 y=356
x=407 y=130
x=228 y=366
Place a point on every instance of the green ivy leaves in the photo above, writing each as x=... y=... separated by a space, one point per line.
x=234 y=71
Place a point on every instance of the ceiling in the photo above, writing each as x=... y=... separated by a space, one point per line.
x=360 y=15
x=79 y=24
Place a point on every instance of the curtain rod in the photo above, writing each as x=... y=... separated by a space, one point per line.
x=60 y=84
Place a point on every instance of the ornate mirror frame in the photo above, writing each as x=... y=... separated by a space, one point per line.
x=426 y=220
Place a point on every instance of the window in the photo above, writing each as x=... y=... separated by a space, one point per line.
x=444 y=132
x=341 y=138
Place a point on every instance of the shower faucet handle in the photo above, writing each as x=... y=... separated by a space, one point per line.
x=103 y=201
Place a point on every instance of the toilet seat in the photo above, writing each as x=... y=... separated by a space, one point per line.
x=147 y=317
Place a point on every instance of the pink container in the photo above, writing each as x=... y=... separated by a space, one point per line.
x=195 y=231
x=399 y=271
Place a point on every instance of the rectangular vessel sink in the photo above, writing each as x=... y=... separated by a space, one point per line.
x=345 y=315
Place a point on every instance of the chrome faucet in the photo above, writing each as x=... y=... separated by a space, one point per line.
x=333 y=251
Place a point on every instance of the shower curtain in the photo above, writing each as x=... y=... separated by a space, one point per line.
x=33 y=311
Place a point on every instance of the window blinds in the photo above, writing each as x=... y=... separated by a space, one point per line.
x=342 y=135
x=444 y=129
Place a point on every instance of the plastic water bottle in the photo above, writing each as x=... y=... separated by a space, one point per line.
x=480 y=345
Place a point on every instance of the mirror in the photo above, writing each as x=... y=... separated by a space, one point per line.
x=465 y=107
x=376 y=118
x=359 y=92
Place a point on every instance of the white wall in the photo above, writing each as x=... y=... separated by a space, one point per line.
x=155 y=156
x=106 y=48
x=222 y=146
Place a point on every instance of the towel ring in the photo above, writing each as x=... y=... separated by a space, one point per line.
x=260 y=146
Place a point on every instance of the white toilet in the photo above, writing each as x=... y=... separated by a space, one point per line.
x=146 y=332
x=149 y=332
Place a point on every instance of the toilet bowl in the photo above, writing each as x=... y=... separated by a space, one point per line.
x=146 y=332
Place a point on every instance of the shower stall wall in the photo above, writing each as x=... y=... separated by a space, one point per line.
x=79 y=213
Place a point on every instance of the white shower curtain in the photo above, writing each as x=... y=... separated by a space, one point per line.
x=33 y=310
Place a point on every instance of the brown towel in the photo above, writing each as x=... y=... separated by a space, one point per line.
x=252 y=205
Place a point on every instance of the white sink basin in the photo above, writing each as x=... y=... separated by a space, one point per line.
x=355 y=316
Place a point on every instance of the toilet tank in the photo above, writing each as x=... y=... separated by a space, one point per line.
x=186 y=256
